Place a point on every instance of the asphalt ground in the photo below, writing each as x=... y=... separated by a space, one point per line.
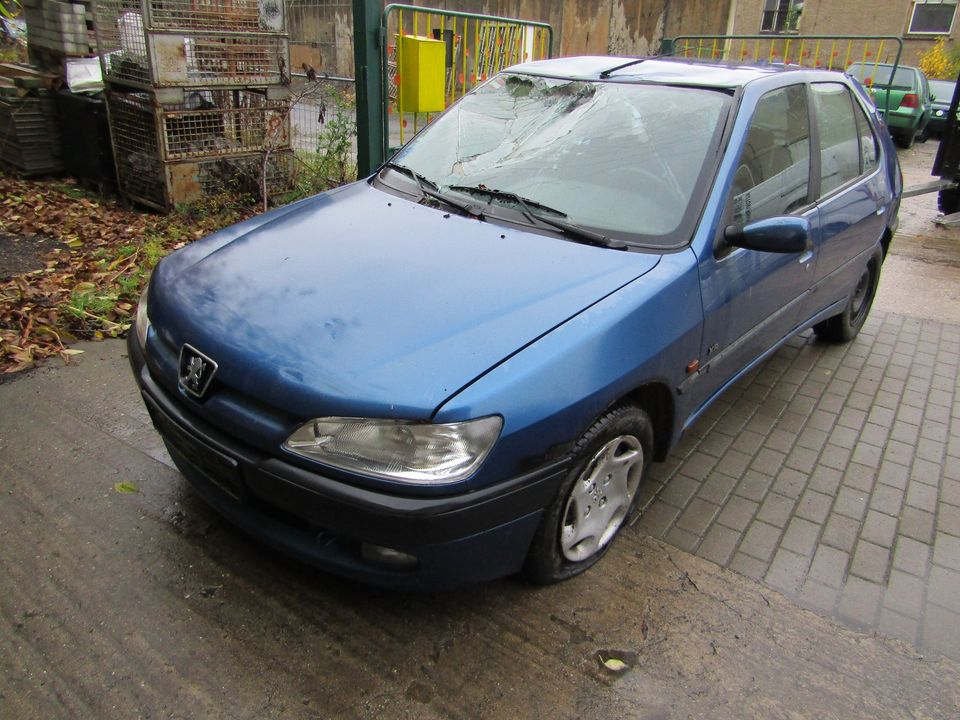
x=122 y=595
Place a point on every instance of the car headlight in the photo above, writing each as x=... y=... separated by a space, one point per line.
x=143 y=322
x=413 y=452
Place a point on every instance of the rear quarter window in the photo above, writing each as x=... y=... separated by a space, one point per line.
x=869 y=147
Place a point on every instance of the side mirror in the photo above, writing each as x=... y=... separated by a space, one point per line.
x=776 y=235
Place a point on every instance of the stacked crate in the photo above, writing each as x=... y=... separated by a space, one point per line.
x=29 y=136
x=198 y=95
x=59 y=28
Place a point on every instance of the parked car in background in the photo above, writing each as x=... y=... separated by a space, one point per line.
x=942 y=95
x=904 y=101
x=462 y=366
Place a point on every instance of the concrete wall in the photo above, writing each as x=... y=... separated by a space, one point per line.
x=635 y=27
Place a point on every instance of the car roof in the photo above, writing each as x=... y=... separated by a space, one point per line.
x=883 y=65
x=666 y=70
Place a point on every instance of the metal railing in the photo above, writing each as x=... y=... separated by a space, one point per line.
x=827 y=52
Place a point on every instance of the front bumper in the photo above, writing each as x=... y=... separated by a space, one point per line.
x=458 y=539
x=938 y=121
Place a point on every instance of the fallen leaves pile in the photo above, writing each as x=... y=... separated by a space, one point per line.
x=87 y=289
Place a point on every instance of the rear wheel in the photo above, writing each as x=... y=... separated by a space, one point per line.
x=845 y=326
x=906 y=138
x=596 y=498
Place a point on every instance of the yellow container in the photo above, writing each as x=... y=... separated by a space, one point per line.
x=422 y=64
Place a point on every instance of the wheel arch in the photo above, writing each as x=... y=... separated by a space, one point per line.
x=656 y=400
x=885 y=241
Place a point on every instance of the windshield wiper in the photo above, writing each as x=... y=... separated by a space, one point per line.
x=429 y=189
x=527 y=207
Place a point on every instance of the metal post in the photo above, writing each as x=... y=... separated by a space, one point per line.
x=366 y=58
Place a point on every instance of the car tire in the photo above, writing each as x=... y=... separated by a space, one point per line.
x=948 y=200
x=596 y=498
x=905 y=139
x=845 y=326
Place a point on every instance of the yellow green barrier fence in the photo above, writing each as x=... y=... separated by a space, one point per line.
x=431 y=58
x=826 y=52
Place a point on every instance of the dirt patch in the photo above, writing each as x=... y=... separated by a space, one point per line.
x=20 y=255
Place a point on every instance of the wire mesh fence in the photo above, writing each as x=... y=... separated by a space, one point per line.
x=321 y=36
x=314 y=104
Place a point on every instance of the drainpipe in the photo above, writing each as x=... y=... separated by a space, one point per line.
x=732 y=17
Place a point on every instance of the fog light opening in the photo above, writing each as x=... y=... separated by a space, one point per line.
x=388 y=557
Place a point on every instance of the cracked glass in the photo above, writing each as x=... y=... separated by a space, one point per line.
x=624 y=158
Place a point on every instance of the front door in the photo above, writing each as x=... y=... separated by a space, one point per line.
x=752 y=299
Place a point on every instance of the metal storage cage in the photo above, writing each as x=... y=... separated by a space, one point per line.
x=197 y=93
x=223 y=122
x=186 y=49
x=226 y=143
x=136 y=148
x=181 y=60
x=230 y=15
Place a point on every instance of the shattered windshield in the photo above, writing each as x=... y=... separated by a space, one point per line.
x=622 y=158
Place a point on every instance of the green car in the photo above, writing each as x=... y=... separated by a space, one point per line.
x=905 y=103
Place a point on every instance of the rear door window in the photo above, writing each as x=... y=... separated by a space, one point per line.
x=840 y=147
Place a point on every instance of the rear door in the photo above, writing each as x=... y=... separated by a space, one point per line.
x=852 y=192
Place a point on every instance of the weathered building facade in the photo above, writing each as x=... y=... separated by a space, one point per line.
x=918 y=22
x=322 y=30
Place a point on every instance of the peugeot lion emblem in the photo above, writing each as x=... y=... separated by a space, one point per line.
x=196 y=371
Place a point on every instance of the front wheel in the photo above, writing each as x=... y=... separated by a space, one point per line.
x=595 y=499
x=845 y=326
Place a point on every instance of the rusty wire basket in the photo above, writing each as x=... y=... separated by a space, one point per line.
x=213 y=123
x=186 y=48
x=229 y=15
x=175 y=154
x=136 y=147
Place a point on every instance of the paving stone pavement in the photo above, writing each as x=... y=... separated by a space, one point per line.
x=832 y=473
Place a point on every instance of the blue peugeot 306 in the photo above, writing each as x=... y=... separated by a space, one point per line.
x=462 y=366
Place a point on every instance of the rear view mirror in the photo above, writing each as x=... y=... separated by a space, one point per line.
x=778 y=235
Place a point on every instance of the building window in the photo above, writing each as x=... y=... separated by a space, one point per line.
x=781 y=16
x=933 y=16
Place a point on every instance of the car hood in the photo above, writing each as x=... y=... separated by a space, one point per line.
x=363 y=303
